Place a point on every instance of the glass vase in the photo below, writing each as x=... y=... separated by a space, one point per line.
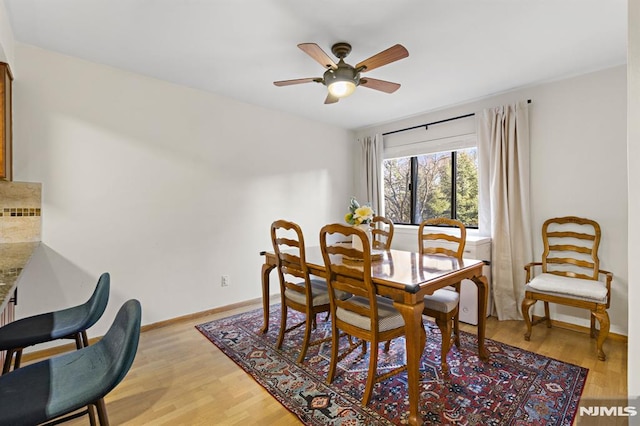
x=356 y=243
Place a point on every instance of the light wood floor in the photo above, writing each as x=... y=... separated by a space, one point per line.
x=180 y=378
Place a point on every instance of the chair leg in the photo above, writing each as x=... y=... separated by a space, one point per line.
x=78 y=339
x=102 y=412
x=546 y=314
x=456 y=330
x=593 y=326
x=283 y=324
x=309 y=322
x=445 y=331
x=371 y=375
x=526 y=305
x=18 y=359
x=85 y=339
x=602 y=316
x=8 y=358
x=335 y=341
x=91 y=413
x=387 y=346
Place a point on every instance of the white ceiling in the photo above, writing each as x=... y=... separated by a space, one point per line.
x=459 y=50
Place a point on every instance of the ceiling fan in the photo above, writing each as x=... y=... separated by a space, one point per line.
x=342 y=79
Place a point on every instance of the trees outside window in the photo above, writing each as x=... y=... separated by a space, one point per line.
x=421 y=187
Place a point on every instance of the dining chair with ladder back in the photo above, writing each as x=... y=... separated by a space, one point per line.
x=70 y=323
x=381 y=232
x=365 y=315
x=299 y=290
x=443 y=304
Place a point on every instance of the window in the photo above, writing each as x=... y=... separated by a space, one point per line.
x=420 y=187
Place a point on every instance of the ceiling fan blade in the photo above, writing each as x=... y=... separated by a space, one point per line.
x=318 y=54
x=331 y=99
x=381 y=85
x=297 y=81
x=392 y=54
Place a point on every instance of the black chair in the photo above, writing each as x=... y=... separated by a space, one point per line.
x=57 y=387
x=70 y=323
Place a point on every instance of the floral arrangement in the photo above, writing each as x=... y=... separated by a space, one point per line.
x=358 y=214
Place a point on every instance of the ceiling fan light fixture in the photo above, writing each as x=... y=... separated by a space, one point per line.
x=341 y=81
x=342 y=88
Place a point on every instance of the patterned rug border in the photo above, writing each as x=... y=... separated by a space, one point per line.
x=530 y=407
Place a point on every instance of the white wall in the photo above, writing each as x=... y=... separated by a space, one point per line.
x=578 y=165
x=165 y=187
x=633 y=156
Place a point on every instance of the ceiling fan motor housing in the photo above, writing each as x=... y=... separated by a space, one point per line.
x=343 y=72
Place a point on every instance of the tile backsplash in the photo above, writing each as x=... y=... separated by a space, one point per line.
x=20 y=208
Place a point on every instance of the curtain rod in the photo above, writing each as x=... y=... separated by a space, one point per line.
x=426 y=125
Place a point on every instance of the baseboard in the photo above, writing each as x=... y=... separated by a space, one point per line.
x=195 y=315
x=581 y=329
x=56 y=350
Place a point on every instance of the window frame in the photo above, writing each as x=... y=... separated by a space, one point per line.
x=413 y=184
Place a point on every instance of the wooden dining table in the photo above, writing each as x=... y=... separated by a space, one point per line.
x=406 y=277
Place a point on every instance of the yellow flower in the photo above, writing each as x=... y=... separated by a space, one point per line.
x=364 y=213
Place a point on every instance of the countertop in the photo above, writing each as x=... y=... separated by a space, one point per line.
x=13 y=259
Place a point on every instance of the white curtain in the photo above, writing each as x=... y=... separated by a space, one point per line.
x=371 y=171
x=504 y=211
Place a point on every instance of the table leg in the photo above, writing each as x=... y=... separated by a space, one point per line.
x=266 y=269
x=415 y=340
x=483 y=293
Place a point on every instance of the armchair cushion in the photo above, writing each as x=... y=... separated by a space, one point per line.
x=583 y=289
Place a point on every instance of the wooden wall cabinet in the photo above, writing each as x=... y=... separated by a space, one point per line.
x=6 y=135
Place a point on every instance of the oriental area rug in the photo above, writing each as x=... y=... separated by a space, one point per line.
x=514 y=387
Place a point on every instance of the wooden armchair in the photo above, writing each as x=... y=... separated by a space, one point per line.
x=365 y=315
x=382 y=232
x=570 y=275
x=443 y=305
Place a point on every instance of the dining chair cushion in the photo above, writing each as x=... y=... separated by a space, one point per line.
x=442 y=300
x=388 y=316
x=582 y=289
x=318 y=289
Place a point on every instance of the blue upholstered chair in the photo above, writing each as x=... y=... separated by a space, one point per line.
x=59 y=386
x=70 y=323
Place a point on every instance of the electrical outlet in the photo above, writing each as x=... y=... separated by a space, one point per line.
x=224 y=282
